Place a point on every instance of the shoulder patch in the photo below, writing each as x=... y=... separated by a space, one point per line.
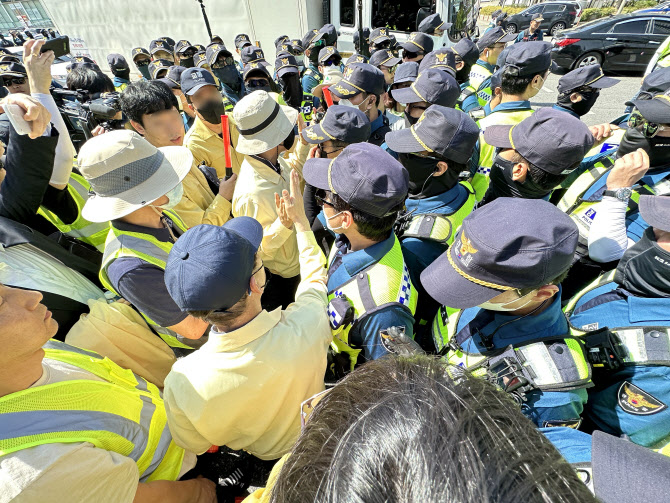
x=636 y=401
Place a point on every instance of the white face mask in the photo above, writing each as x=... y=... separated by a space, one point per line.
x=174 y=197
x=328 y=219
x=538 y=88
x=502 y=307
x=346 y=103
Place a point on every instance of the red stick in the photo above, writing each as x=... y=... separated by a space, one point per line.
x=328 y=96
x=226 y=146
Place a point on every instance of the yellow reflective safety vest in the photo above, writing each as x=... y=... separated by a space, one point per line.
x=440 y=227
x=123 y=413
x=478 y=77
x=91 y=233
x=307 y=106
x=384 y=283
x=149 y=249
x=480 y=180
x=121 y=88
x=550 y=364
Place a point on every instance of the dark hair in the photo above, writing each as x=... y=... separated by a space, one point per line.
x=369 y=226
x=515 y=84
x=556 y=281
x=545 y=180
x=416 y=430
x=146 y=97
x=89 y=80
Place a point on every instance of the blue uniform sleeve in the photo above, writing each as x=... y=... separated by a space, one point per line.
x=555 y=408
x=367 y=332
x=574 y=445
x=473 y=163
x=388 y=149
x=470 y=103
x=308 y=83
x=519 y=37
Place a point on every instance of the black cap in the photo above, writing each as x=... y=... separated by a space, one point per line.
x=327 y=53
x=195 y=78
x=257 y=67
x=173 y=77
x=538 y=245
x=442 y=59
x=447 y=132
x=213 y=50
x=284 y=48
x=242 y=40
x=494 y=36
x=357 y=58
x=252 y=54
x=467 y=50
x=117 y=62
x=384 y=57
x=656 y=109
x=655 y=210
x=329 y=34
x=310 y=38
x=432 y=23
x=281 y=39
x=199 y=47
x=200 y=59
x=366 y=177
x=210 y=267
x=379 y=35
x=346 y=124
x=12 y=70
x=296 y=46
x=406 y=72
x=359 y=78
x=550 y=139
x=418 y=42
x=286 y=63
x=160 y=45
x=591 y=75
x=432 y=86
x=657 y=82
x=529 y=58
x=157 y=65
x=357 y=37
x=183 y=46
x=169 y=41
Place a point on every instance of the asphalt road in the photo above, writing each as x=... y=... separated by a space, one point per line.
x=610 y=104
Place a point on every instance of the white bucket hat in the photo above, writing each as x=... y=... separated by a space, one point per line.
x=332 y=76
x=126 y=173
x=262 y=122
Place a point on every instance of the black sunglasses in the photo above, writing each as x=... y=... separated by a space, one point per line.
x=251 y=83
x=17 y=80
x=410 y=55
x=144 y=62
x=320 y=196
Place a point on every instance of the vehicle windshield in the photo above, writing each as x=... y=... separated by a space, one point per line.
x=399 y=15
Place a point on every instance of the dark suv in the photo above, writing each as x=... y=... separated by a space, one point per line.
x=557 y=16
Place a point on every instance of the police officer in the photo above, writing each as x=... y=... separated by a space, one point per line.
x=160 y=49
x=501 y=282
x=490 y=45
x=141 y=59
x=535 y=155
x=251 y=54
x=434 y=151
x=646 y=131
x=288 y=79
x=433 y=25
x=362 y=87
x=241 y=41
x=121 y=71
x=356 y=58
x=379 y=39
x=387 y=62
x=527 y=67
x=185 y=51
x=329 y=34
x=467 y=54
x=257 y=77
x=312 y=43
x=222 y=65
x=158 y=68
x=631 y=398
x=533 y=32
x=329 y=58
x=431 y=87
x=369 y=287
x=405 y=74
x=416 y=47
x=579 y=89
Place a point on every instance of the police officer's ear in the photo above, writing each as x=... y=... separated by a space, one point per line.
x=576 y=97
x=545 y=292
x=460 y=65
x=440 y=169
x=519 y=171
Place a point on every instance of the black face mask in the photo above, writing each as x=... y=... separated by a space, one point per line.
x=144 y=70
x=288 y=142
x=410 y=119
x=291 y=89
x=421 y=182
x=644 y=269
x=250 y=90
x=502 y=184
x=212 y=111
x=581 y=107
x=230 y=76
x=657 y=147
x=187 y=62
x=463 y=75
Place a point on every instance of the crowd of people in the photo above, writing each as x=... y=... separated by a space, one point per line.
x=386 y=278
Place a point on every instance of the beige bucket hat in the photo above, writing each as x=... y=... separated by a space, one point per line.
x=126 y=173
x=330 y=78
x=262 y=122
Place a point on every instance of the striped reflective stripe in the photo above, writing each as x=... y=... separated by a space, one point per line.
x=121 y=241
x=542 y=364
x=159 y=453
x=633 y=341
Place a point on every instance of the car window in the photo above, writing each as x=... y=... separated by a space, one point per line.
x=661 y=27
x=553 y=9
x=533 y=10
x=635 y=27
x=400 y=16
x=347 y=12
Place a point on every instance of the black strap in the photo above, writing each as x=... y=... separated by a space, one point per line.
x=262 y=125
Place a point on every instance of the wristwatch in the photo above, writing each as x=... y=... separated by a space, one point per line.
x=622 y=194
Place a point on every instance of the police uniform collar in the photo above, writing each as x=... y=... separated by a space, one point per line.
x=356 y=261
x=378 y=122
x=513 y=105
x=486 y=65
x=450 y=200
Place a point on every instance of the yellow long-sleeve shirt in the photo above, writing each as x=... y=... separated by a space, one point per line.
x=199 y=205
x=207 y=146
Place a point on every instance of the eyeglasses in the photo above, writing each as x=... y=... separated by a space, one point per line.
x=331 y=62
x=187 y=54
x=410 y=55
x=320 y=196
x=144 y=62
x=390 y=69
x=227 y=61
x=268 y=275
x=251 y=83
x=648 y=129
x=19 y=81
x=323 y=153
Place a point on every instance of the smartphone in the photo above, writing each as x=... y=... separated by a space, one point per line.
x=15 y=115
x=60 y=46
